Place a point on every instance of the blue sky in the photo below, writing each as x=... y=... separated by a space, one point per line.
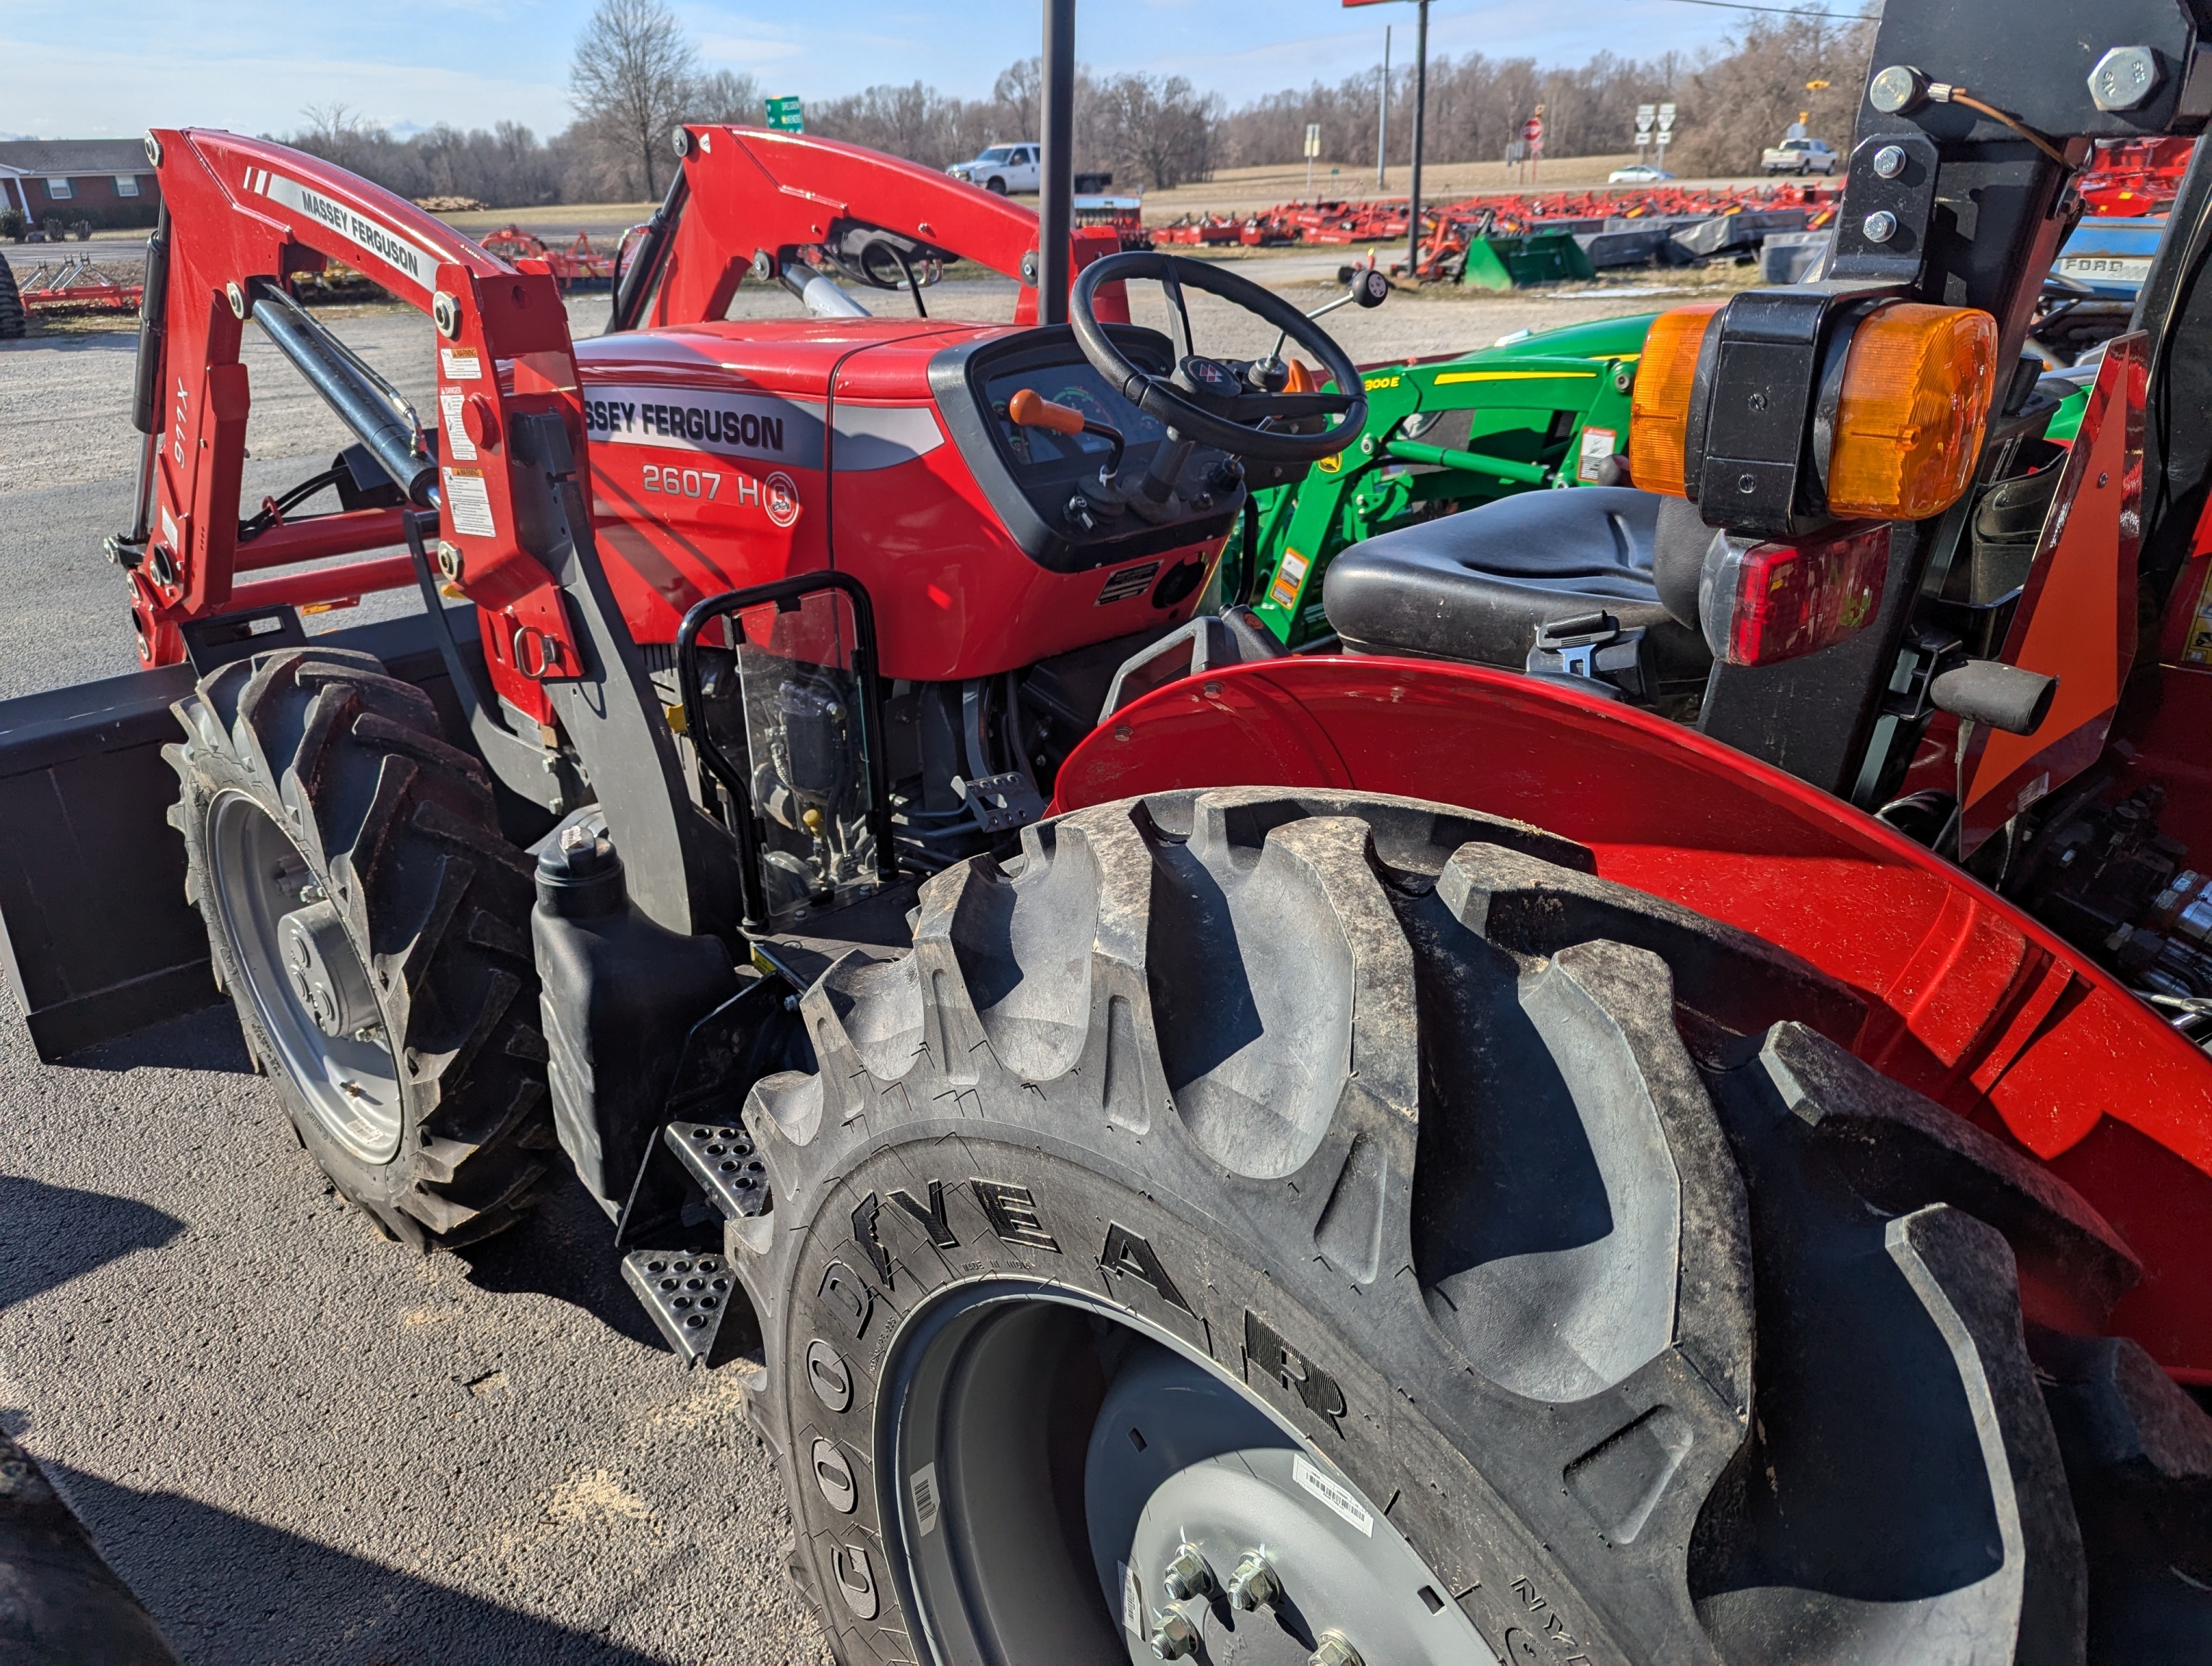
x=252 y=65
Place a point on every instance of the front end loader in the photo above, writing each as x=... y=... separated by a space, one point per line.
x=1639 y=1101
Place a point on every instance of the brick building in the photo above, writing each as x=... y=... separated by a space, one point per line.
x=106 y=181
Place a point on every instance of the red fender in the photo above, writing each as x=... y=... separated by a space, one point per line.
x=1969 y=1000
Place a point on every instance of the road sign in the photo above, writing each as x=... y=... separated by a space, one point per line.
x=785 y=117
x=1666 y=118
x=1313 y=138
x=1644 y=114
x=1533 y=128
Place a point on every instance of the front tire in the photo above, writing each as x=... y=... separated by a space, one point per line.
x=1518 y=1260
x=995 y=185
x=372 y=926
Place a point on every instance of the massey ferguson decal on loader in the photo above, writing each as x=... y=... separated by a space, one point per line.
x=1642 y=1099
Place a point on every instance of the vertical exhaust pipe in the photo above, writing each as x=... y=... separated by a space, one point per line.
x=1056 y=183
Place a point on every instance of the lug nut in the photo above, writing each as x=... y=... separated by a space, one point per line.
x=1174 y=1637
x=1254 y=1585
x=1188 y=1576
x=1336 y=1650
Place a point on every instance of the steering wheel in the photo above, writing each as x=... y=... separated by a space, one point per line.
x=1224 y=403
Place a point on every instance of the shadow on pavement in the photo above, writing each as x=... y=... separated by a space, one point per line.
x=206 y=1040
x=227 y=1592
x=565 y=1250
x=57 y=1233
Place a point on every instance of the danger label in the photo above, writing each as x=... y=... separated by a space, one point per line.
x=417 y=264
x=721 y=424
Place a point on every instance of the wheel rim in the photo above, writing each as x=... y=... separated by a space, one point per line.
x=1042 y=1461
x=350 y=1082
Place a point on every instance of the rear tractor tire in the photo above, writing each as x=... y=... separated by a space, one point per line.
x=13 y=320
x=372 y=926
x=1254 y=1225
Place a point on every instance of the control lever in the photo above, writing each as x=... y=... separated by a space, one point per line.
x=1032 y=410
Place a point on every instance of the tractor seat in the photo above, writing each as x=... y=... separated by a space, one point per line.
x=1479 y=585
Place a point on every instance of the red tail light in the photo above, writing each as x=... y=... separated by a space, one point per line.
x=1761 y=603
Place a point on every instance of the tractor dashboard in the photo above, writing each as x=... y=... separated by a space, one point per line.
x=1045 y=485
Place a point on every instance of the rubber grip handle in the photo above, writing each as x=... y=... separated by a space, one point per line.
x=1032 y=410
x=1990 y=691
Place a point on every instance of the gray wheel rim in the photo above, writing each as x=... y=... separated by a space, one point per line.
x=350 y=1085
x=988 y=1565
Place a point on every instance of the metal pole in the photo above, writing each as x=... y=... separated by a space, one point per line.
x=1420 y=114
x=1056 y=190
x=1383 y=114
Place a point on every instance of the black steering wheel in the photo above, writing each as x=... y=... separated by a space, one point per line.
x=1226 y=403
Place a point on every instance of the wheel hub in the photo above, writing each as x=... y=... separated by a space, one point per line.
x=324 y=973
x=304 y=978
x=1063 y=1481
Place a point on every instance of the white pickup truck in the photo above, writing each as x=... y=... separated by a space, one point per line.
x=1798 y=157
x=1002 y=168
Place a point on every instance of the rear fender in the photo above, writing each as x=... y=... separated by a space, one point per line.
x=1968 y=998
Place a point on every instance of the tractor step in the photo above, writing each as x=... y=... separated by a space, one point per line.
x=688 y=1294
x=721 y=1159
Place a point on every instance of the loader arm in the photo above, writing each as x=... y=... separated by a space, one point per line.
x=245 y=212
x=503 y=468
x=748 y=193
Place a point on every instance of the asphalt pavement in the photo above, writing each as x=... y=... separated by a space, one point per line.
x=300 y=1443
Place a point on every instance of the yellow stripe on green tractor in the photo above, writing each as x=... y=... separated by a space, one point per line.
x=1534 y=412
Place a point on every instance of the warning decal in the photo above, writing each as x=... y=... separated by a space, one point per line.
x=468 y=503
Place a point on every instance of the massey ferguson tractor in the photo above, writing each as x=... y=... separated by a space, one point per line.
x=1639 y=1100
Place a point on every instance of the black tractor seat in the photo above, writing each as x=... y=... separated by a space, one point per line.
x=1482 y=585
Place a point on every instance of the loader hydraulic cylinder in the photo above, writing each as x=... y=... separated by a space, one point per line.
x=363 y=401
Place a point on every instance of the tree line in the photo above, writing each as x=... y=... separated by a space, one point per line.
x=636 y=75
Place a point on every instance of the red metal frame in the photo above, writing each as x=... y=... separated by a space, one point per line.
x=242 y=209
x=1969 y=1000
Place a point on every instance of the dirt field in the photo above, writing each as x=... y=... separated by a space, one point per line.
x=302 y=1445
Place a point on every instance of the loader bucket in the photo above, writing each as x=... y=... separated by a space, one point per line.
x=1514 y=263
x=96 y=934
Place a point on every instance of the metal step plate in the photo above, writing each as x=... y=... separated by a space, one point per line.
x=719 y=1156
x=686 y=1293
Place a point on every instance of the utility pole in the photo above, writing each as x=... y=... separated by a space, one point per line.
x=1420 y=114
x=1056 y=180
x=1383 y=114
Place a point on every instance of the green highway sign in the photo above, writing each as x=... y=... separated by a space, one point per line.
x=784 y=115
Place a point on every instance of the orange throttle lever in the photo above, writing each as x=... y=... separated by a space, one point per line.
x=1032 y=410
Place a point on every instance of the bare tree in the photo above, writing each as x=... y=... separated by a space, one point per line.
x=724 y=95
x=633 y=68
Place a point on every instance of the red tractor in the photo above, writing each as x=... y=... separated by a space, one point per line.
x=1650 y=1108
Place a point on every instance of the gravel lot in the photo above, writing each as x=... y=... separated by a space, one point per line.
x=300 y=1443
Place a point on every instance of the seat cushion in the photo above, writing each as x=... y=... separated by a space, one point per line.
x=1478 y=585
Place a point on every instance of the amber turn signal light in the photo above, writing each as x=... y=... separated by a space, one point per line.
x=1917 y=386
x=1032 y=410
x=1659 y=414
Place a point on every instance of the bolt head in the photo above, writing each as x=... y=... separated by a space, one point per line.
x=445 y=313
x=1173 y=1636
x=1335 y=1649
x=2125 y=78
x=236 y=297
x=1187 y=1575
x=1878 y=226
x=1253 y=1585
x=1889 y=161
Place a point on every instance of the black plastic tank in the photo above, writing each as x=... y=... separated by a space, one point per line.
x=619 y=993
